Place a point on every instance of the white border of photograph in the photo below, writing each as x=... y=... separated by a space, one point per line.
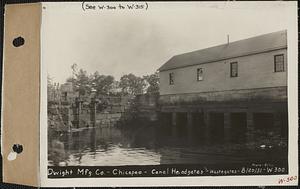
x=269 y=180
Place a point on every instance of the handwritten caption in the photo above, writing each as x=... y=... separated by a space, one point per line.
x=287 y=179
x=97 y=6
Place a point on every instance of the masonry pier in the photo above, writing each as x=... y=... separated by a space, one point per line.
x=238 y=124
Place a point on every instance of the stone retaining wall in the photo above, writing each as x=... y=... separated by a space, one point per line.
x=147 y=106
x=114 y=112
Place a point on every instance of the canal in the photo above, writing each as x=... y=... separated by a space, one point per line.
x=153 y=145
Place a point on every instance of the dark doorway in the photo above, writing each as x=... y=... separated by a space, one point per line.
x=181 y=123
x=284 y=124
x=198 y=125
x=165 y=122
x=238 y=126
x=216 y=125
x=165 y=119
x=263 y=121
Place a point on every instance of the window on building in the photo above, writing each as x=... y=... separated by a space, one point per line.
x=279 y=63
x=171 y=78
x=199 y=74
x=233 y=69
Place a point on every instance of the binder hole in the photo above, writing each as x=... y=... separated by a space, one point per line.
x=18 y=148
x=19 y=41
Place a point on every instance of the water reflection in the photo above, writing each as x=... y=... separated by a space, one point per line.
x=150 y=145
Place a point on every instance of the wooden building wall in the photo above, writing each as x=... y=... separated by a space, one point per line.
x=254 y=71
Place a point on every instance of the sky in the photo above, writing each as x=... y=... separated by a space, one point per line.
x=118 y=42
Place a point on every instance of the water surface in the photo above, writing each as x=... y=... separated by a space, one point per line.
x=151 y=145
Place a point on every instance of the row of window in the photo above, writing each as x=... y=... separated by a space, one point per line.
x=278 y=67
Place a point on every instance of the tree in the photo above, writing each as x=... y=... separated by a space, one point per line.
x=52 y=89
x=132 y=85
x=153 y=82
x=71 y=80
x=103 y=84
x=74 y=69
x=74 y=73
x=49 y=81
x=81 y=82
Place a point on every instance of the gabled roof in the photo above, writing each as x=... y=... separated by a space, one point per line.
x=258 y=44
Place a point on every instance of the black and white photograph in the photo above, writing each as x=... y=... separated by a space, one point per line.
x=167 y=89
